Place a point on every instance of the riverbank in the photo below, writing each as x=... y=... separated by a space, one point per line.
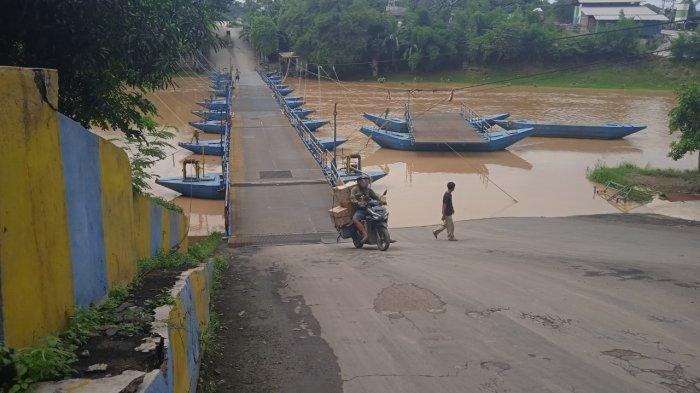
x=671 y=184
x=655 y=74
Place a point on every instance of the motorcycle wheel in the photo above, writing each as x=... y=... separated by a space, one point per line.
x=383 y=240
x=356 y=241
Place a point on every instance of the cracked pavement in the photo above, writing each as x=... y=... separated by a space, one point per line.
x=511 y=307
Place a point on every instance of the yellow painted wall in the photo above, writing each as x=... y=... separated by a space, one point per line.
x=184 y=230
x=178 y=342
x=142 y=226
x=200 y=297
x=117 y=214
x=37 y=289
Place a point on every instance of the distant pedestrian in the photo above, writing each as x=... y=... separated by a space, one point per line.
x=238 y=75
x=447 y=211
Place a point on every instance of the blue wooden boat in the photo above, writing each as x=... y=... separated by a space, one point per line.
x=216 y=105
x=285 y=91
x=399 y=125
x=387 y=123
x=600 y=131
x=483 y=122
x=296 y=103
x=208 y=147
x=277 y=87
x=302 y=113
x=275 y=79
x=374 y=175
x=212 y=126
x=314 y=124
x=329 y=144
x=210 y=115
x=219 y=92
x=209 y=186
x=492 y=141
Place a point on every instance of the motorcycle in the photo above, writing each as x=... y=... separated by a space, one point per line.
x=377 y=229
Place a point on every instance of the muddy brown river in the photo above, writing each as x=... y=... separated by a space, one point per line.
x=534 y=177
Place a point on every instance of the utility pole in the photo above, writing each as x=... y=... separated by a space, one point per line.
x=335 y=133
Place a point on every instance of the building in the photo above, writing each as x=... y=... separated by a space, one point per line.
x=591 y=15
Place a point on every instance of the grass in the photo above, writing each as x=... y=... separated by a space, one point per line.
x=52 y=359
x=165 y=203
x=210 y=347
x=621 y=175
x=657 y=74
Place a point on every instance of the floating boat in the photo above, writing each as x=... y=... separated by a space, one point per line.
x=219 y=92
x=208 y=186
x=399 y=125
x=302 y=113
x=215 y=105
x=208 y=147
x=285 y=91
x=292 y=104
x=330 y=144
x=600 y=131
x=498 y=140
x=314 y=124
x=374 y=175
x=481 y=123
x=211 y=115
x=387 y=123
x=212 y=126
x=277 y=87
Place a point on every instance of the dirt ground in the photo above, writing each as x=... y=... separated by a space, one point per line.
x=673 y=188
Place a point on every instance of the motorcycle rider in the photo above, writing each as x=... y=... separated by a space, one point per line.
x=359 y=197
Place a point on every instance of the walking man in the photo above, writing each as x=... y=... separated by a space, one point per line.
x=447 y=211
x=238 y=75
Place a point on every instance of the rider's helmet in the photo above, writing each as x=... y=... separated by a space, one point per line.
x=363 y=180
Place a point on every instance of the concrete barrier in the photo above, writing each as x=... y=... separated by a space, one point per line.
x=71 y=228
x=180 y=326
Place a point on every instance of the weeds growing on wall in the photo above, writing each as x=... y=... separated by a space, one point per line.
x=209 y=346
x=54 y=357
x=166 y=204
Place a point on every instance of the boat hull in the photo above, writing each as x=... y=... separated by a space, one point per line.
x=303 y=113
x=211 y=115
x=209 y=148
x=211 y=186
x=212 y=127
x=315 y=124
x=285 y=91
x=329 y=144
x=488 y=121
x=399 y=125
x=601 y=131
x=403 y=141
x=294 y=104
x=214 y=105
x=374 y=175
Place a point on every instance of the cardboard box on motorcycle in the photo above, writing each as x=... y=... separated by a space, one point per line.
x=342 y=213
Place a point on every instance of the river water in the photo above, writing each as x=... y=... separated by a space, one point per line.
x=534 y=177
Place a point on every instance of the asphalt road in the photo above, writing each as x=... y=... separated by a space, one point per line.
x=585 y=304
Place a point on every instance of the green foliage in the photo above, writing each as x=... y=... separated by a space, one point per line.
x=146 y=147
x=166 y=204
x=602 y=174
x=686 y=48
x=685 y=117
x=109 y=54
x=50 y=360
x=263 y=34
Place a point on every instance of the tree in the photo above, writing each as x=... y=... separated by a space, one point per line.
x=263 y=34
x=686 y=47
x=109 y=54
x=685 y=117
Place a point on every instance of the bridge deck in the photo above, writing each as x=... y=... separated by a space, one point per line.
x=443 y=127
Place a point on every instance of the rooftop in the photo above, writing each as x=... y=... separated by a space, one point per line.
x=608 y=1
x=613 y=13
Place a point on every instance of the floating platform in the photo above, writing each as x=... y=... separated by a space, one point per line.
x=600 y=131
x=209 y=186
x=209 y=148
x=374 y=175
x=445 y=132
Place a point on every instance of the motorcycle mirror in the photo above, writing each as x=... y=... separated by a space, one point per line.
x=384 y=193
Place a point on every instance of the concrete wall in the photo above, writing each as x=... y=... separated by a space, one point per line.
x=71 y=227
x=180 y=325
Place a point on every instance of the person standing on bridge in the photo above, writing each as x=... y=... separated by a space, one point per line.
x=447 y=211
x=238 y=75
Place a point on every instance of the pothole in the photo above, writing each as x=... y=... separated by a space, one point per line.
x=407 y=297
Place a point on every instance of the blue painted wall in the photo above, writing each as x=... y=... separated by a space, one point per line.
x=79 y=153
x=156 y=228
x=175 y=234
